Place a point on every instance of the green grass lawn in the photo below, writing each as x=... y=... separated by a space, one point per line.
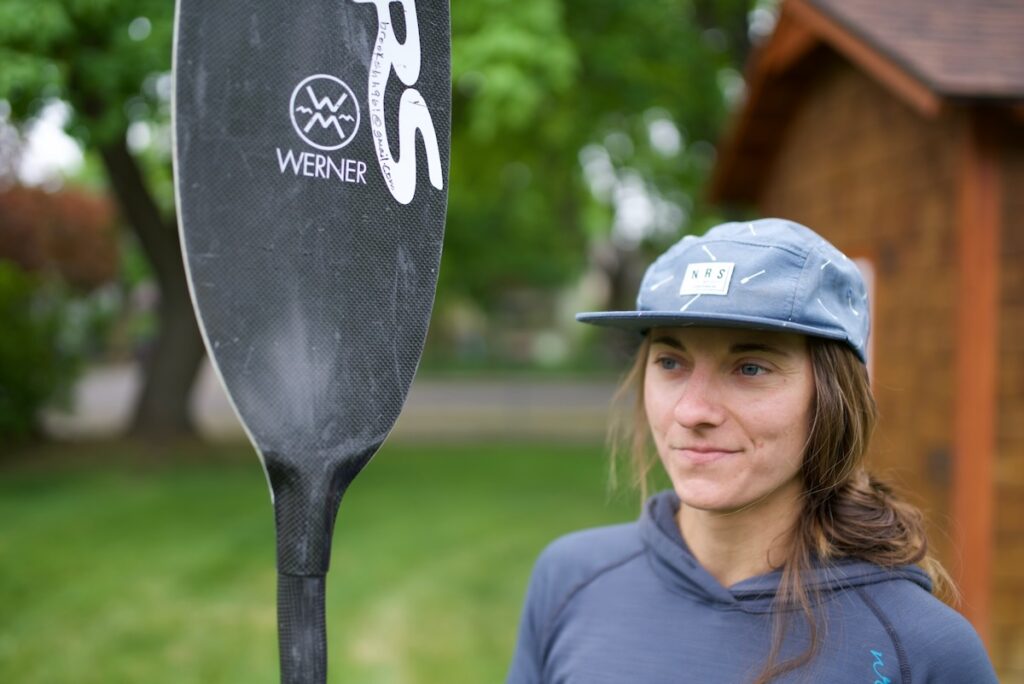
x=119 y=569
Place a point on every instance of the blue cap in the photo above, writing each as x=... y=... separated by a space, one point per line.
x=770 y=274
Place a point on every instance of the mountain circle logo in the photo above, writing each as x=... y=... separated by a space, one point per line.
x=324 y=112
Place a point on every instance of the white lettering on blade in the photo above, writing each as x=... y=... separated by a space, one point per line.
x=313 y=165
x=413 y=113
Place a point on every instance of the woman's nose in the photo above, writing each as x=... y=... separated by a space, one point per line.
x=700 y=403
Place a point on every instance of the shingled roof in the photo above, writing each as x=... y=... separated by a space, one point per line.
x=958 y=48
x=928 y=53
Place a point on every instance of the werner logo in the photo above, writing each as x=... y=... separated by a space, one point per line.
x=413 y=112
x=324 y=112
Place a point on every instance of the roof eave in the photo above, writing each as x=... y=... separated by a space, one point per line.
x=899 y=77
x=800 y=28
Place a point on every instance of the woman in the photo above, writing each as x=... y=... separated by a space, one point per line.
x=775 y=556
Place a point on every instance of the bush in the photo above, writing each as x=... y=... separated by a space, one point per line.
x=36 y=365
x=71 y=233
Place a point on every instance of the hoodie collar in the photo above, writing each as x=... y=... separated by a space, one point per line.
x=677 y=567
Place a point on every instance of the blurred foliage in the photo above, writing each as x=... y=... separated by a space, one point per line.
x=544 y=88
x=58 y=258
x=10 y=148
x=38 y=362
x=110 y=60
x=100 y=55
x=70 y=232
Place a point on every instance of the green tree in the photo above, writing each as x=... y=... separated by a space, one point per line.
x=561 y=109
x=105 y=57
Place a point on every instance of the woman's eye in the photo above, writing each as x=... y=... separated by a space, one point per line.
x=667 y=363
x=751 y=369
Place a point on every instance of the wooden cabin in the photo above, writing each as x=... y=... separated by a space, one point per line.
x=896 y=129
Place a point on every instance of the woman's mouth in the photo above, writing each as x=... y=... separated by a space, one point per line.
x=701 y=455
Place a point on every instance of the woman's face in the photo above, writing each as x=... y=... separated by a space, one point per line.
x=729 y=410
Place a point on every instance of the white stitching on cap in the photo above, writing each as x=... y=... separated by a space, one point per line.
x=658 y=284
x=687 y=304
x=705 y=248
x=744 y=281
x=826 y=309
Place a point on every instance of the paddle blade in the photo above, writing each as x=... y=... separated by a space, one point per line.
x=311 y=158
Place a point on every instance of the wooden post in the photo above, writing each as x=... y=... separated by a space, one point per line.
x=977 y=345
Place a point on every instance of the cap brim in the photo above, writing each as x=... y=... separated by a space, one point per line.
x=645 y=320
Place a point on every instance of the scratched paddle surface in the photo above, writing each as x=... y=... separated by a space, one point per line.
x=311 y=143
x=311 y=153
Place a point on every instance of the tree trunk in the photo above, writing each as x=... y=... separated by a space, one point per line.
x=170 y=367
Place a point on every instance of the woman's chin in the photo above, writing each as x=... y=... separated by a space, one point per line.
x=734 y=496
x=712 y=499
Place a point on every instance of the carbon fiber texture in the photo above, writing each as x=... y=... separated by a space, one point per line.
x=311 y=161
x=305 y=508
x=314 y=292
x=301 y=629
x=313 y=276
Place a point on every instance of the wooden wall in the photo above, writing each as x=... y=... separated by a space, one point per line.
x=1008 y=562
x=867 y=172
x=880 y=181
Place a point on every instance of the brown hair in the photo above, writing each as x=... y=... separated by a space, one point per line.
x=847 y=512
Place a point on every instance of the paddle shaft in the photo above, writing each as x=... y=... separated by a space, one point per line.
x=306 y=501
x=301 y=629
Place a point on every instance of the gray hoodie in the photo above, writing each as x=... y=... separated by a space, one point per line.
x=630 y=604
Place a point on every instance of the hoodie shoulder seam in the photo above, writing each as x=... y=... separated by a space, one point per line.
x=901 y=654
x=575 y=590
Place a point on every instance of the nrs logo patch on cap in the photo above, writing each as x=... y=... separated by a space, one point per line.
x=711 y=278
